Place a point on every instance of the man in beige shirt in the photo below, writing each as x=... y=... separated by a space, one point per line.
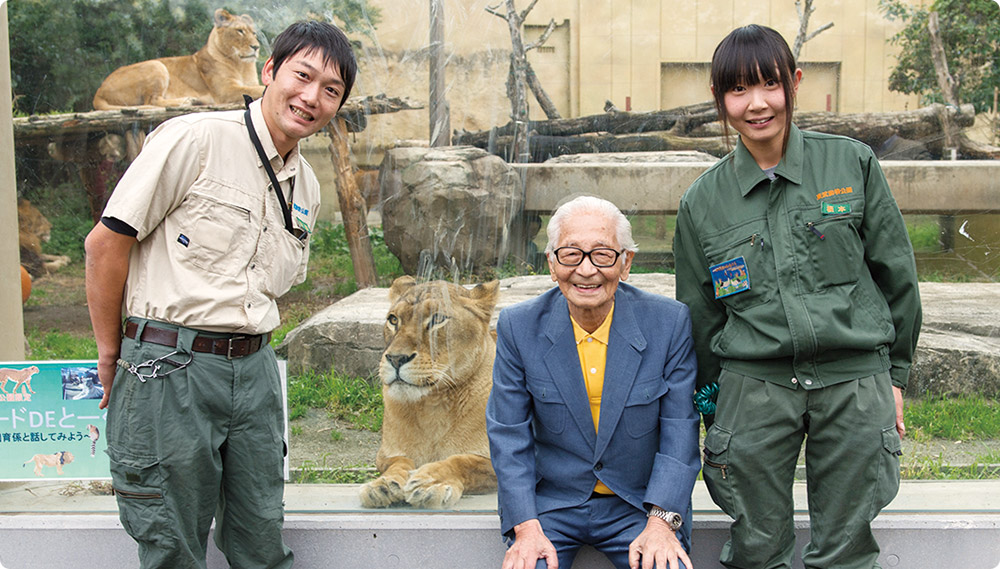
x=207 y=228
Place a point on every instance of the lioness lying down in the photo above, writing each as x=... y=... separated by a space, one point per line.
x=436 y=377
x=220 y=72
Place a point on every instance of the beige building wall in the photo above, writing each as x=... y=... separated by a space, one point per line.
x=644 y=55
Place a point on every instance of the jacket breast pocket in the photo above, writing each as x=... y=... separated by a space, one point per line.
x=216 y=230
x=550 y=409
x=751 y=243
x=642 y=408
x=835 y=250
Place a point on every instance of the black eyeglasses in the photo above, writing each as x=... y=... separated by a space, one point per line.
x=602 y=257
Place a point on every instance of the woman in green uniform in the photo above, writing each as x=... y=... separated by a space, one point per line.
x=795 y=262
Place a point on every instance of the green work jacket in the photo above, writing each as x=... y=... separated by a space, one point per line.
x=832 y=282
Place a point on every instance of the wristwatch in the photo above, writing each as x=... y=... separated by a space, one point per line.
x=673 y=519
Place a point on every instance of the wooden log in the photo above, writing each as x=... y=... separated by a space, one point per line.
x=544 y=147
x=352 y=206
x=36 y=129
x=700 y=120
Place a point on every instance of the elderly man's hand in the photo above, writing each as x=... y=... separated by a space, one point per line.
x=530 y=545
x=657 y=546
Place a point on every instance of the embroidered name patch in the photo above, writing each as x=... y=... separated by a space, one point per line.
x=730 y=277
x=834 y=208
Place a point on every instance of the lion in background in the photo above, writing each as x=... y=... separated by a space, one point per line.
x=219 y=73
x=33 y=230
x=436 y=375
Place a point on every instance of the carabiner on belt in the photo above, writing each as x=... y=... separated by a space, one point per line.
x=154 y=366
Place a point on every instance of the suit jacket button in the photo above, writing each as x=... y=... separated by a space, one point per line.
x=598 y=466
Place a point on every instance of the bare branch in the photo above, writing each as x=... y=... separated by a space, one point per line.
x=802 y=37
x=493 y=10
x=524 y=14
x=543 y=38
x=818 y=31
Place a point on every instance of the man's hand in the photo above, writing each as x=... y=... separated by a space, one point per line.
x=657 y=546
x=530 y=545
x=897 y=394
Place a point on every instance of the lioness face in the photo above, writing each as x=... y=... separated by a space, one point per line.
x=238 y=36
x=434 y=334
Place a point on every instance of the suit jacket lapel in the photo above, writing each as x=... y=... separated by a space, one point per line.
x=563 y=362
x=625 y=346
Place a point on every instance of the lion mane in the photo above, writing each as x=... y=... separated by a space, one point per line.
x=436 y=375
x=219 y=73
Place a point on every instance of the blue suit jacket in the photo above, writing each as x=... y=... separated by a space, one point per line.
x=542 y=440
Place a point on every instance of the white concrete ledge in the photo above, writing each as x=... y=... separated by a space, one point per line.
x=930 y=524
x=919 y=186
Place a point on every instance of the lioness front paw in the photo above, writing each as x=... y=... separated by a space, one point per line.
x=382 y=493
x=428 y=493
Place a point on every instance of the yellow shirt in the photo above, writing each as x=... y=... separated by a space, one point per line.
x=213 y=252
x=593 y=352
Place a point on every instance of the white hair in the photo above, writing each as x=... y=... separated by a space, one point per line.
x=590 y=204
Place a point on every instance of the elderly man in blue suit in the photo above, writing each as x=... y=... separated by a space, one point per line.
x=593 y=433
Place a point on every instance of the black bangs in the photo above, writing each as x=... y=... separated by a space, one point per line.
x=751 y=55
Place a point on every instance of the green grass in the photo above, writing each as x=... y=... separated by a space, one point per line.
x=956 y=418
x=933 y=468
x=312 y=472
x=354 y=400
x=53 y=345
x=330 y=254
x=924 y=231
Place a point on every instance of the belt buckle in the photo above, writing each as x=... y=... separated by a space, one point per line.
x=229 y=346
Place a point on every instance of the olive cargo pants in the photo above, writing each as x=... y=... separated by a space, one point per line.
x=852 y=468
x=196 y=442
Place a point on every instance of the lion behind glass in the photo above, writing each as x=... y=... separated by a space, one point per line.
x=219 y=73
x=436 y=376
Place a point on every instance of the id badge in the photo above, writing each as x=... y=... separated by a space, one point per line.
x=730 y=277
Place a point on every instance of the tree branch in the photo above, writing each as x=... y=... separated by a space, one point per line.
x=543 y=38
x=524 y=14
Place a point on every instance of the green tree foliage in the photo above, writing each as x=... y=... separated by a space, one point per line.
x=970 y=32
x=61 y=50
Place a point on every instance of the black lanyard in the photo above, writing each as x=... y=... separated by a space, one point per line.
x=267 y=166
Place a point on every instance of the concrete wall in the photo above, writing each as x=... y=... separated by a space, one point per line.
x=649 y=54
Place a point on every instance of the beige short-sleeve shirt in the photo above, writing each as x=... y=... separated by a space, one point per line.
x=213 y=251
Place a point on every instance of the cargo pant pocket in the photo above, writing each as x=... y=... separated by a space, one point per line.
x=888 y=469
x=716 y=470
x=137 y=483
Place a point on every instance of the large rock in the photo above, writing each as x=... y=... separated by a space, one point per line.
x=958 y=352
x=959 y=347
x=450 y=208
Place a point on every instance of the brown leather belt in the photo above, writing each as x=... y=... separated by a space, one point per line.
x=235 y=346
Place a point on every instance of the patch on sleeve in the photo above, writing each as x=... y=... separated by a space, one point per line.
x=730 y=277
x=183 y=240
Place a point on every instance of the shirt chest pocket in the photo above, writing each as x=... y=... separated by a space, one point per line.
x=216 y=231
x=751 y=243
